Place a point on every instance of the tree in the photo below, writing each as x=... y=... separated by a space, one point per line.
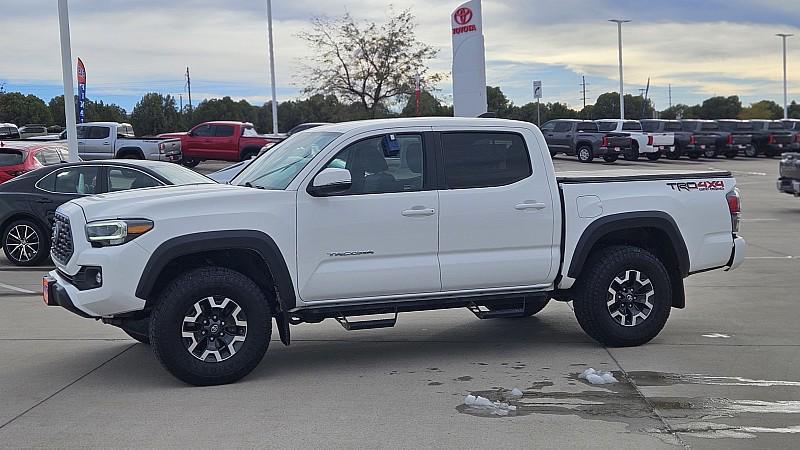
x=497 y=102
x=154 y=114
x=23 y=109
x=428 y=106
x=721 y=107
x=95 y=111
x=794 y=110
x=372 y=64
x=224 y=109
x=607 y=107
x=765 y=109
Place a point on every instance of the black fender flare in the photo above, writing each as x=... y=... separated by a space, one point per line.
x=189 y=244
x=628 y=221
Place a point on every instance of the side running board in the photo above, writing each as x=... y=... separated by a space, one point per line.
x=497 y=314
x=366 y=324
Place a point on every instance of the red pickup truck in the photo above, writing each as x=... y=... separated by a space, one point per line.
x=222 y=140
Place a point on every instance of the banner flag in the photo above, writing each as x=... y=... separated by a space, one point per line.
x=81 y=91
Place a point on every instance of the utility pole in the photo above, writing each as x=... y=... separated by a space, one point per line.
x=670 y=95
x=619 y=23
x=785 y=94
x=189 y=88
x=181 y=97
x=583 y=84
x=272 y=70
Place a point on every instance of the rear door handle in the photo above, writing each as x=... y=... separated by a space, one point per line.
x=44 y=201
x=530 y=205
x=419 y=211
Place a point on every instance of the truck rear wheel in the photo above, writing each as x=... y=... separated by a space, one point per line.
x=610 y=158
x=751 y=151
x=674 y=153
x=623 y=297
x=190 y=162
x=631 y=154
x=211 y=326
x=585 y=153
x=655 y=156
x=710 y=153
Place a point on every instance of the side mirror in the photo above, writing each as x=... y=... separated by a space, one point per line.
x=330 y=181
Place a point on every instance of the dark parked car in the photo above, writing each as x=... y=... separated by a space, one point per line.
x=771 y=138
x=741 y=135
x=709 y=140
x=683 y=139
x=581 y=138
x=28 y=202
x=793 y=125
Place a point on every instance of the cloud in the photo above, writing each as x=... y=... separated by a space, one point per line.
x=700 y=48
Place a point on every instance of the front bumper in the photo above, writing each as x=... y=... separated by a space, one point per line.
x=737 y=253
x=789 y=186
x=54 y=294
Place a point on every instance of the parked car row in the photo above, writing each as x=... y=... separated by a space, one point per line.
x=653 y=138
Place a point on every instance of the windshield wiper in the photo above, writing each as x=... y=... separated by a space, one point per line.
x=250 y=185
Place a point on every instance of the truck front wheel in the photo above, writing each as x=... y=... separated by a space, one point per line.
x=211 y=326
x=623 y=297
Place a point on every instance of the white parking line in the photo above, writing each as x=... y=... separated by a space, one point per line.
x=760 y=220
x=770 y=257
x=16 y=289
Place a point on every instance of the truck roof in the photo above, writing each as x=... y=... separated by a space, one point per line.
x=103 y=124
x=226 y=122
x=466 y=122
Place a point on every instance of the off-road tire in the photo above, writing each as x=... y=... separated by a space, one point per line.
x=674 y=153
x=190 y=162
x=631 y=154
x=593 y=290
x=142 y=338
x=710 y=153
x=249 y=154
x=654 y=156
x=169 y=315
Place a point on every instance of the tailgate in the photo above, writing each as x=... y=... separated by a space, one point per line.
x=742 y=139
x=782 y=139
x=619 y=141
x=790 y=166
x=705 y=139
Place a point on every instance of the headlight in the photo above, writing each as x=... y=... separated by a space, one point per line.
x=116 y=232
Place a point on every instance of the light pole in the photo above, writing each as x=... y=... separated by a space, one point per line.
x=619 y=23
x=66 y=73
x=783 y=36
x=272 y=70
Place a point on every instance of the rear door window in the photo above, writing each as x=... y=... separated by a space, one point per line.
x=99 y=132
x=549 y=126
x=82 y=180
x=223 y=130
x=587 y=126
x=479 y=160
x=203 y=131
x=123 y=178
x=650 y=126
x=606 y=126
x=631 y=126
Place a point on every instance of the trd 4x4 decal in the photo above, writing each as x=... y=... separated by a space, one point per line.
x=688 y=186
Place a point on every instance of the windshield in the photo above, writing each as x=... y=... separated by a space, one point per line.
x=278 y=167
x=606 y=126
x=178 y=175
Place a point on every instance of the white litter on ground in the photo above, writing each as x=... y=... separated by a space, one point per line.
x=597 y=376
x=483 y=403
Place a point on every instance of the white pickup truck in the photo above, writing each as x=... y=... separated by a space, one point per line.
x=379 y=217
x=652 y=145
x=107 y=140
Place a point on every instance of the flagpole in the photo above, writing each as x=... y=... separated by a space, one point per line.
x=66 y=69
x=272 y=70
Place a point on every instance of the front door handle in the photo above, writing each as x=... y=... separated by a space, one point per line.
x=419 y=211
x=530 y=205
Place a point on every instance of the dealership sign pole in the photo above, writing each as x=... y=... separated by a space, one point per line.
x=537 y=94
x=619 y=23
x=66 y=69
x=469 y=60
x=785 y=93
x=81 y=91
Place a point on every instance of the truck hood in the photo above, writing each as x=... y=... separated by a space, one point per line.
x=158 y=202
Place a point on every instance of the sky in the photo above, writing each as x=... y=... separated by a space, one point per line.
x=700 y=47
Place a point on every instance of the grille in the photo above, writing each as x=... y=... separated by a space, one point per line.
x=62 y=248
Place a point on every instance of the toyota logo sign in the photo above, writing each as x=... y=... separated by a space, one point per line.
x=463 y=16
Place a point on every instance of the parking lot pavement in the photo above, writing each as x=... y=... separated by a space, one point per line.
x=724 y=372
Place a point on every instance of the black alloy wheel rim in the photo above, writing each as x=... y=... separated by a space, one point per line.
x=629 y=298
x=214 y=329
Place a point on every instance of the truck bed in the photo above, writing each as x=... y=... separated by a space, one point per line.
x=623 y=175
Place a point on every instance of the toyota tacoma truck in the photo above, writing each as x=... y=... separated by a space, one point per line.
x=789 y=180
x=360 y=221
x=682 y=140
x=771 y=138
x=582 y=139
x=108 y=140
x=223 y=141
x=642 y=143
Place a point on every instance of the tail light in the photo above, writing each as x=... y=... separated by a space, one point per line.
x=692 y=140
x=650 y=140
x=730 y=139
x=735 y=208
x=771 y=139
x=604 y=143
